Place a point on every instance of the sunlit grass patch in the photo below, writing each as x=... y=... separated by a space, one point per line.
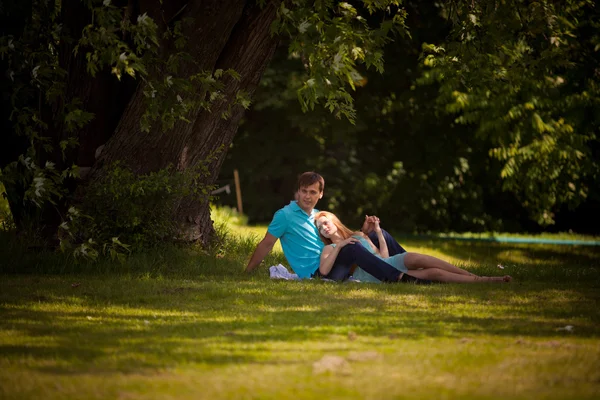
x=186 y=323
x=158 y=337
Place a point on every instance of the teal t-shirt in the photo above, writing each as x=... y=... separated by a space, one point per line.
x=299 y=238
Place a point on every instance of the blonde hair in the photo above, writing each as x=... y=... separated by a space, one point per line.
x=343 y=230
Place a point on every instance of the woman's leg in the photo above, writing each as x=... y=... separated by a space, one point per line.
x=357 y=254
x=414 y=261
x=440 y=275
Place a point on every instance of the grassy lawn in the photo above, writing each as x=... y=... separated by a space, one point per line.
x=185 y=324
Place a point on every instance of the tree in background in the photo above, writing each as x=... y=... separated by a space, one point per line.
x=114 y=90
x=525 y=76
x=414 y=156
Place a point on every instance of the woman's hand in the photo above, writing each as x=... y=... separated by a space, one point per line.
x=350 y=240
x=377 y=228
x=383 y=250
x=329 y=254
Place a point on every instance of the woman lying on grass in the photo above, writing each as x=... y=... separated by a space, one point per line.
x=336 y=235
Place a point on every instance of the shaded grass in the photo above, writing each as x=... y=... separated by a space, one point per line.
x=203 y=339
x=183 y=323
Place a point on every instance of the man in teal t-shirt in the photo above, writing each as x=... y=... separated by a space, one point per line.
x=299 y=237
x=294 y=226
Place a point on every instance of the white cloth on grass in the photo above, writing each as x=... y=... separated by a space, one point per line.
x=280 y=272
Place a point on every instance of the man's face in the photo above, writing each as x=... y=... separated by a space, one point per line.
x=308 y=196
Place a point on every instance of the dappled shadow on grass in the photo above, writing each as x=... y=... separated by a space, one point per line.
x=115 y=325
x=174 y=306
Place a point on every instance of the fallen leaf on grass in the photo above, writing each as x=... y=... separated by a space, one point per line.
x=334 y=364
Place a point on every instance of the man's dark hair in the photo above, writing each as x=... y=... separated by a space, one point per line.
x=310 y=178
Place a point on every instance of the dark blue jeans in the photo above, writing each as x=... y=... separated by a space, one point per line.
x=393 y=246
x=356 y=254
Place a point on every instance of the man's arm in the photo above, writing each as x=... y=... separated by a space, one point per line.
x=263 y=248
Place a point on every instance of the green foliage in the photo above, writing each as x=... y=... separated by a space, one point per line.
x=50 y=119
x=332 y=39
x=507 y=97
x=401 y=160
x=407 y=159
x=6 y=222
x=38 y=84
x=103 y=44
x=125 y=212
x=44 y=182
x=170 y=99
x=523 y=73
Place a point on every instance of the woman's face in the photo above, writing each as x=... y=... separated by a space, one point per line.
x=326 y=227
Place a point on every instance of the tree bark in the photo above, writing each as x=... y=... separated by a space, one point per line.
x=225 y=34
x=248 y=52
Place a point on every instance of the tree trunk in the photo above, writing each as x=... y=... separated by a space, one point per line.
x=225 y=34
x=248 y=52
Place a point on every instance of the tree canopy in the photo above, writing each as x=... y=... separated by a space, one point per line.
x=437 y=116
x=486 y=117
x=102 y=90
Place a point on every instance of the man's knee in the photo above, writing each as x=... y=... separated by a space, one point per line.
x=348 y=253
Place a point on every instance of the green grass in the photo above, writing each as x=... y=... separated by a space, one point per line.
x=542 y=235
x=180 y=323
